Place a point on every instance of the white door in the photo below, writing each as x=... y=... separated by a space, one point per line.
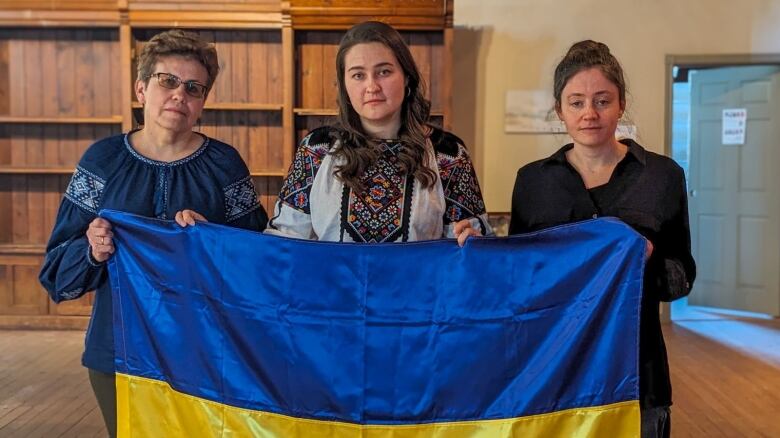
x=734 y=191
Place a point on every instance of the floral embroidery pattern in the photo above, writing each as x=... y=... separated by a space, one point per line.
x=297 y=187
x=461 y=189
x=376 y=214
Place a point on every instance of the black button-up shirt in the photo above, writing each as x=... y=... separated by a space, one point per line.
x=646 y=191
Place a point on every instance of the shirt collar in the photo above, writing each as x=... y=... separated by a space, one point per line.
x=635 y=151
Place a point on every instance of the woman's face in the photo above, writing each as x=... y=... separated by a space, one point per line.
x=375 y=83
x=590 y=108
x=173 y=109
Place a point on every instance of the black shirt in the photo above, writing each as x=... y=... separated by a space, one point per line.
x=646 y=191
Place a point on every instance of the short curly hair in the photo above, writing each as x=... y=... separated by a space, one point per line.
x=177 y=42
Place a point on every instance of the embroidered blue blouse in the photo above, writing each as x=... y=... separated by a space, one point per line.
x=214 y=181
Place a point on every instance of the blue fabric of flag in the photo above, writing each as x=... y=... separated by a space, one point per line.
x=381 y=333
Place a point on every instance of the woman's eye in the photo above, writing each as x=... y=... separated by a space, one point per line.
x=358 y=76
x=576 y=104
x=385 y=72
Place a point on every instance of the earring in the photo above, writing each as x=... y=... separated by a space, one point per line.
x=408 y=91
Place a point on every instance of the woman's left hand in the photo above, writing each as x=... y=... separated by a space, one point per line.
x=188 y=217
x=463 y=230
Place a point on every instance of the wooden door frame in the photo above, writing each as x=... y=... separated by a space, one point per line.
x=692 y=62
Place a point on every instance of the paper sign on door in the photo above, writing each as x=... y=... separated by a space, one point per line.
x=734 y=124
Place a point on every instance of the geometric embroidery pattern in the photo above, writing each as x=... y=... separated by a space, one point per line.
x=297 y=186
x=240 y=199
x=85 y=189
x=462 y=196
x=377 y=213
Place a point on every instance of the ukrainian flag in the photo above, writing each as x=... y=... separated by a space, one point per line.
x=224 y=332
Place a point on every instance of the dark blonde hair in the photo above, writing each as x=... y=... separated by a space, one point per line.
x=356 y=147
x=582 y=56
x=177 y=42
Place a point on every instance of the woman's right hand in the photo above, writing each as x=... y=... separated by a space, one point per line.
x=101 y=239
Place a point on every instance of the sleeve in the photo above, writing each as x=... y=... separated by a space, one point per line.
x=671 y=267
x=462 y=195
x=292 y=212
x=242 y=208
x=69 y=270
x=516 y=223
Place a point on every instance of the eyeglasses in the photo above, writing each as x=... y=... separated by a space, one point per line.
x=172 y=82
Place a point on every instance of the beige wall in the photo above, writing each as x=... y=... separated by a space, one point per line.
x=515 y=44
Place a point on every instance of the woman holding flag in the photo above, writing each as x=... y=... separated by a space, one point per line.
x=597 y=175
x=383 y=173
x=162 y=170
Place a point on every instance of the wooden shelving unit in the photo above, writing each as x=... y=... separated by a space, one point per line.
x=67 y=69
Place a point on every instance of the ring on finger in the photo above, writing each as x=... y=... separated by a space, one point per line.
x=102 y=240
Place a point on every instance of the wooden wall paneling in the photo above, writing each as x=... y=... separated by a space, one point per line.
x=57 y=5
x=125 y=96
x=99 y=79
x=66 y=79
x=33 y=80
x=305 y=124
x=37 y=233
x=310 y=73
x=231 y=63
x=85 y=67
x=20 y=292
x=276 y=156
x=17 y=141
x=20 y=231
x=53 y=190
x=446 y=74
x=5 y=83
x=48 y=62
x=289 y=94
x=274 y=67
x=5 y=144
x=257 y=141
x=330 y=48
x=6 y=213
x=268 y=189
x=16 y=72
x=255 y=69
x=420 y=47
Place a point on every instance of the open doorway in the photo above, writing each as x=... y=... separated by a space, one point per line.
x=723 y=128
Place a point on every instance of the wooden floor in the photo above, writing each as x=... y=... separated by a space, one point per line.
x=726 y=378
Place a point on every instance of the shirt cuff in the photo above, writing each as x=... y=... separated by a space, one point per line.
x=91 y=259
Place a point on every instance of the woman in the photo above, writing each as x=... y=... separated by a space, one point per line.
x=600 y=176
x=383 y=174
x=161 y=170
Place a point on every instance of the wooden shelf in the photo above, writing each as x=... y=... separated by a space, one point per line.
x=315 y=112
x=277 y=84
x=18 y=170
x=26 y=249
x=235 y=106
x=111 y=120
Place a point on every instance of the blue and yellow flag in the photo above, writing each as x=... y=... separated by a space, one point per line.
x=224 y=332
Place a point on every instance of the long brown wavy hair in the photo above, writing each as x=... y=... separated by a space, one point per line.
x=356 y=147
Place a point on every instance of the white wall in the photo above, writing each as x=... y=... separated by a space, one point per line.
x=515 y=44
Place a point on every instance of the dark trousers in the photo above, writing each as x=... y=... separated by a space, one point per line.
x=656 y=422
x=104 y=387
